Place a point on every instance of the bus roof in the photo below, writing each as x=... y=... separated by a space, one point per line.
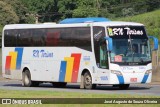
x=105 y=24
x=84 y=20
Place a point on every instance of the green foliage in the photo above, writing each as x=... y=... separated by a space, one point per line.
x=13 y=11
x=128 y=12
x=55 y=10
x=85 y=12
x=151 y=20
x=1 y=28
x=45 y=9
x=25 y=11
x=7 y=14
x=90 y=8
x=30 y=19
x=66 y=7
x=19 y=8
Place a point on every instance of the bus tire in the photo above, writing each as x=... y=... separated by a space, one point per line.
x=123 y=86
x=59 y=84
x=26 y=78
x=88 y=81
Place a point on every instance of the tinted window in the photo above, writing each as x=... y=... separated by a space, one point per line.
x=52 y=37
x=24 y=38
x=38 y=37
x=10 y=38
x=74 y=37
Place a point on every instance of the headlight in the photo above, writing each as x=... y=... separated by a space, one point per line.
x=116 y=72
x=148 y=71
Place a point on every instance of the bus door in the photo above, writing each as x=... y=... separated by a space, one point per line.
x=103 y=66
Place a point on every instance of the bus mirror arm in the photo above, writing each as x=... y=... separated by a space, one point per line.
x=155 y=40
x=110 y=43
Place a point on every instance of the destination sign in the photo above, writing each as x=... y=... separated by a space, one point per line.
x=120 y=31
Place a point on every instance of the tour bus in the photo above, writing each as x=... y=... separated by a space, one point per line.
x=88 y=51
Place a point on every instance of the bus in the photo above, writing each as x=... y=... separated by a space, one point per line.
x=88 y=51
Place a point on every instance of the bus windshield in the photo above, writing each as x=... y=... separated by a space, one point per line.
x=130 y=46
x=130 y=50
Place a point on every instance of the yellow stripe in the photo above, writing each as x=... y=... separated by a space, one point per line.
x=69 y=68
x=13 y=60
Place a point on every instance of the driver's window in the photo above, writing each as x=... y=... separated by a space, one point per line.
x=100 y=47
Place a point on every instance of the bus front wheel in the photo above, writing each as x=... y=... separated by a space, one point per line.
x=88 y=81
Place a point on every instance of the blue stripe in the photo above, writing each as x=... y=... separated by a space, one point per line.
x=120 y=79
x=19 y=57
x=62 y=71
x=145 y=78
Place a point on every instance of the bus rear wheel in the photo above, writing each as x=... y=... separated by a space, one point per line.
x=123 y=86
x=88 y=81
x=26 y=80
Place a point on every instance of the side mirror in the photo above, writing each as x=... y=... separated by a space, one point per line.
x=110 y=43
x=155 y=40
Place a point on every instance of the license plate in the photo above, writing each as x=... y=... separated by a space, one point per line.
x=133 y=80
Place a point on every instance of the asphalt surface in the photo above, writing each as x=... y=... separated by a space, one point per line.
x=138 y=89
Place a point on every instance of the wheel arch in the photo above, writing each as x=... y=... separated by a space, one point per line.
x=26 y=68
x=87 y=70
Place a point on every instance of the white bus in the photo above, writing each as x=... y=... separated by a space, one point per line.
x=89 y=51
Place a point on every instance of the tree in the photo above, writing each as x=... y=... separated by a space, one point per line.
x=45 y=9
x=19 y=9
x=55 y=10
x=86 y=8
x=7 y=14
x=66 y=7
x=128 y=12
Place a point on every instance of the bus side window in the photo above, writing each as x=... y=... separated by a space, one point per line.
x=23 y=37
x=38 y=37
x=10 y=38
x=52 y=37
x=82 y=38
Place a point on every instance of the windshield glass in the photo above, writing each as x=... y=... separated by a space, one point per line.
x=130 y=47
x=134 y=50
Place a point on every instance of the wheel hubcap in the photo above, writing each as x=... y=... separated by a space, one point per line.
x=26 y=79
x=87 y=80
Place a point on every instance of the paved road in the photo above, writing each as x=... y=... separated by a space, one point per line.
x=139 y=89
